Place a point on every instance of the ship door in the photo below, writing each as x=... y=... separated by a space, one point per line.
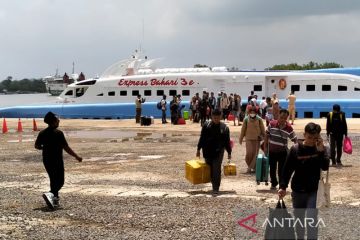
x=270 y=86
x=276 y=84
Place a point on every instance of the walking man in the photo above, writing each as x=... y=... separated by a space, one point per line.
x=336 y=128
x=52 y=142
x=254 y=131
x=291 y=106
x=214 y=139
x=306 y=159
x=276 y=144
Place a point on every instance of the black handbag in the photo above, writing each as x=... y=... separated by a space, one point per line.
x=278 y=224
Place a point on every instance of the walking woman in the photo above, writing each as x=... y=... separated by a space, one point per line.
x=254 y=131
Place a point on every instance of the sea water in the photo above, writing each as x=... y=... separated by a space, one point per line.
x=9 y=100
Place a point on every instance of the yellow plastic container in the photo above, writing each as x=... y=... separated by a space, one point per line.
x=197 y=171
x=230 y=169
x=186 y=115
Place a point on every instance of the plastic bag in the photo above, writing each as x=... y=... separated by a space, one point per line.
x=347 y=146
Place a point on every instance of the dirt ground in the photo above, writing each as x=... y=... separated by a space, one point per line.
x=124 y=162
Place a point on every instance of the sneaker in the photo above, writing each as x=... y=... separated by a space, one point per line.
x=48 y=197
x=215 y=193
x=273 y=188
x=340 y=164
x=333 y=164
x=56 y=202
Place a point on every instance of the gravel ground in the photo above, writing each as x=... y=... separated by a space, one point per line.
x=132 y=186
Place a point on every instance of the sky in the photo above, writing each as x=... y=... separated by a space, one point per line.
x=40 y=36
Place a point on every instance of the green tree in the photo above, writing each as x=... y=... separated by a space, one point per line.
x=308 y=66
x=198 y=65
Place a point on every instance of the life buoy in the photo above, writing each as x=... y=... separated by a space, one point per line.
x=282 y=84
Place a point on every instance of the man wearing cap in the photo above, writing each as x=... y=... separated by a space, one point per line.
x=52 y=142
x=138 y=102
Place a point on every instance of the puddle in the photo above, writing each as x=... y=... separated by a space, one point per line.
x=152 y=157
x=110 y=134
x=21 y=140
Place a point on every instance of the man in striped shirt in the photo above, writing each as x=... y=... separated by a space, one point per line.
x=276 y=144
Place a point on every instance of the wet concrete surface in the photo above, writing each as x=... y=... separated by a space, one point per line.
x=139 y=167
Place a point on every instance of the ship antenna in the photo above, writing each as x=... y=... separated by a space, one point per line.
x=73 y=68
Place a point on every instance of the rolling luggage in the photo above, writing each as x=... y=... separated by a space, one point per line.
x=262 y=169
x=145 y=121
x=197 y=171
x=230 y=169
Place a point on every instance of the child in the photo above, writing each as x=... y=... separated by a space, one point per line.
x=52 y=142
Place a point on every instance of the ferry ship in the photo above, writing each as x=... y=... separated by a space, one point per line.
x=113 y=94
x=56 y=84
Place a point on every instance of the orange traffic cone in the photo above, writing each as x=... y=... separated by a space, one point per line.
x=34 y=125
x=4 y=127
x=19 y=129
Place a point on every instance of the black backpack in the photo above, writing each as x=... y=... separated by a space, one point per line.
x=158 y=105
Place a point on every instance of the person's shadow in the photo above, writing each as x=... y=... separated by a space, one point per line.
x=210 y=192
x=47 y=209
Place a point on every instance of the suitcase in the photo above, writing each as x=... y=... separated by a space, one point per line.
x=262 y=169
x=197 y=171
x=230 y=169
x=145 y=121
x=181 y=121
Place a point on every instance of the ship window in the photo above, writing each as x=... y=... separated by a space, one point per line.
x=123 y=93
x=356 y=89
x=272 y=80
x=80 y=92
x=91 y=82
x=159 y=92
x=69 y=93
x=172 y=93
x=310 y=88
x=186 y=92
x=342 y=88
x=135 y=92
x=323 y=114
x=257 y=88
x=100 y=94
x=326 y=87
x=308 y=114
x=112 y=93
x=295 y=88
x=147 y=92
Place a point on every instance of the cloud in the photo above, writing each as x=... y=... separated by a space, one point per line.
x=41 y=35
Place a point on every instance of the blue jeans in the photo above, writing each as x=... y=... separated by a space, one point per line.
x=305 y=203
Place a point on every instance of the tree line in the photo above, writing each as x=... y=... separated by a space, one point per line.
x=23 y=86
x=307 y=66
x=291 y=66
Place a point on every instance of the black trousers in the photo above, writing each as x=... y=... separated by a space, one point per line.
x=215 y=170
x=276 y=162
x=138 y=115
x=163 y=116
x=57 y=177
x=336 y=142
